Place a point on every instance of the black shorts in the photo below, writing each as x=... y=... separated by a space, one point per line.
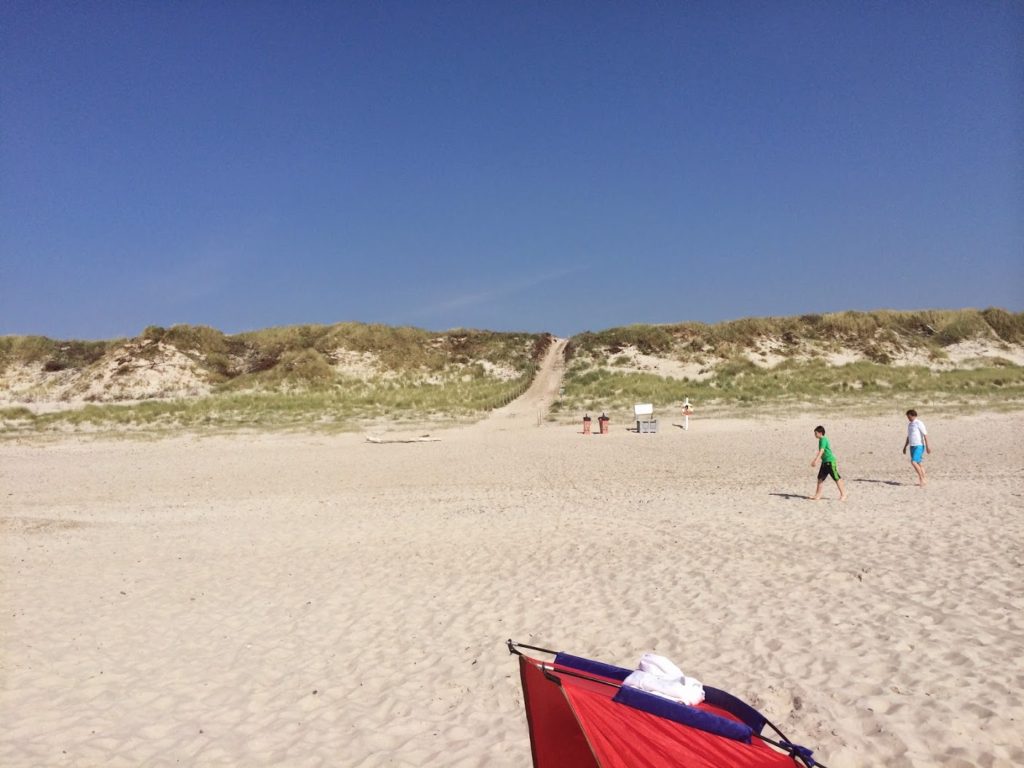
x=828 y=469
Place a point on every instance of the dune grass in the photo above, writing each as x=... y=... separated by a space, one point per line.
x=52 y=354
x=862 y=331
x=299 y=347
x=740 y=384
x=599 y=378
x=290 y=376
x=295 y=376
x=342 y=406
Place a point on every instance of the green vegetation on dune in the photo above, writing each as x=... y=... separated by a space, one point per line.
x=338 y=376
x=930 y=329
x=790 y=383
x=395 y=348
x=310 y=374
x=51 y=354
x=303 y=351
x=721 y=358
x=340 y=407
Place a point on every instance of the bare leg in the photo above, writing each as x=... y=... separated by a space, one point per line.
x=842 y=489
x=817 y=491
x=922 y=480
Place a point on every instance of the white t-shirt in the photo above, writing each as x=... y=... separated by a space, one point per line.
x=916 y=432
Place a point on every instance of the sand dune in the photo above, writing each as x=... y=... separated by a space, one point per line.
x=310 y=600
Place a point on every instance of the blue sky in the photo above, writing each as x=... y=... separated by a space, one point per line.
x=560 y=166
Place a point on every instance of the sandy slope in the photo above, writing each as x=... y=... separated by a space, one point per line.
x=529 y=410
x=310 y=600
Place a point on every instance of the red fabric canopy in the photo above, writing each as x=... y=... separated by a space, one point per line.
x=575 y=724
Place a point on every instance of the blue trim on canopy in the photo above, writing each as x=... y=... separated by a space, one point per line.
x=713 y=696
x=734 y=706
x=591 y=667
x=680 y=713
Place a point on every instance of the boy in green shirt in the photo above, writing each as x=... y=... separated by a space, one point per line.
x=828 y=465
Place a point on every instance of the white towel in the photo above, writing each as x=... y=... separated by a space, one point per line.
x=659 y=666
x=661 y=677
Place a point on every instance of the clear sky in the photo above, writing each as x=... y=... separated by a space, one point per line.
x=559 y=166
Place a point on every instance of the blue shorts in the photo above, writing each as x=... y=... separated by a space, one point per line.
x=916 y=453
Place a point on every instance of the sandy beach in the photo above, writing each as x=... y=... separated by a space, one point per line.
x=308 y=600
x=303 y=306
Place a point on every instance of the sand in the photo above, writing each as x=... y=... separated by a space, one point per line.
x=308 y=600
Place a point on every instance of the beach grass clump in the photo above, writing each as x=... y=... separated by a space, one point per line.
x=1008 y=326
x=17 y=416
x=287 y=369
x=51 y=354
x=963 y=326
x=648 y=339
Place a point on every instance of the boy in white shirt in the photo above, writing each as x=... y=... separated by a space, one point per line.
x=917 y=441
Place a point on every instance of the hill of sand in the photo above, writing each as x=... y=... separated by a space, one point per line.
x=309 y=600
x=190 y=362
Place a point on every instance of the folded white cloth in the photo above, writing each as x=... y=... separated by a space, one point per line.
x=661 y=677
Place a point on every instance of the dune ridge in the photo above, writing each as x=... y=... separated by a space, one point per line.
x=347 y=373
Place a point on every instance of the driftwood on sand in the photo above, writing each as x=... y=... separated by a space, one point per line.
x=423 y=439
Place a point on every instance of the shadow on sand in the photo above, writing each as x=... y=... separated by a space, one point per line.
x=790 y=495
x=880 y=482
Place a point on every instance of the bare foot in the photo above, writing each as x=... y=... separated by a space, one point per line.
x=814 y=498
x=842 y=498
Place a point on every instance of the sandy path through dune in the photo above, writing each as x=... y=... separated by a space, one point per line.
x=310 y=600
x=530 y=409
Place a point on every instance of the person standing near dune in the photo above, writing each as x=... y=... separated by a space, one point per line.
x=828 y=465
x=917 y=441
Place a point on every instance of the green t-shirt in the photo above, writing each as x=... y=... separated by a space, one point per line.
x=823 y=445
